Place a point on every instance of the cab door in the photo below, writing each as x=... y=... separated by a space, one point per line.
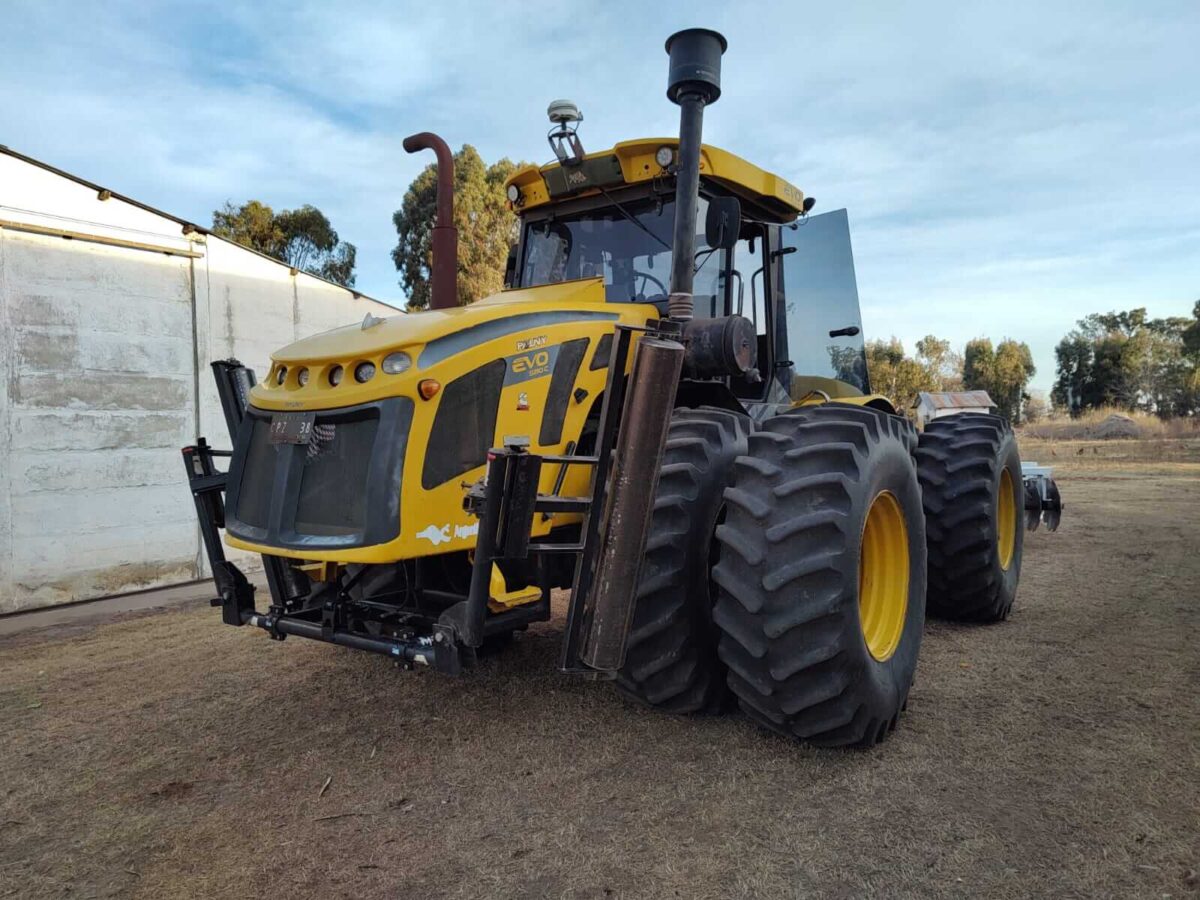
x=820 y=344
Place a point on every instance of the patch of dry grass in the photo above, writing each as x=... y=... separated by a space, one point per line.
x=1129 y=458
x=1087 y=426
x=1052 y=755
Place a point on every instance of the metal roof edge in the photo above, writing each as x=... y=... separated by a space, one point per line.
x=185 y=226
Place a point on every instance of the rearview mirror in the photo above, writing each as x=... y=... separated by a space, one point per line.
x=722 y=222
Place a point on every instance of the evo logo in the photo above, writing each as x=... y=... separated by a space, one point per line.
x=534 y=364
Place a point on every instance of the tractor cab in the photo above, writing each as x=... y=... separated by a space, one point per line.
x=758 y=254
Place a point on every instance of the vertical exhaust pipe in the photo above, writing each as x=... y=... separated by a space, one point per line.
x=444 y=274
x=694 y=82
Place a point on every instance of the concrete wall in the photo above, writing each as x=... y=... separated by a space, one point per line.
x=104 y=352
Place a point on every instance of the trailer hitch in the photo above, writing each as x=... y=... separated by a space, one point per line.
x=436 y=650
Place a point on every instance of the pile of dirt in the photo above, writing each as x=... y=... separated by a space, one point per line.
x=1117 y=426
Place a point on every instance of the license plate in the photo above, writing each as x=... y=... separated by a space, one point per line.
x=292 y=428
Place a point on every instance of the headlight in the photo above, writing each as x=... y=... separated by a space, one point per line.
x=395 y=363
x=335 y=375
x=514 y=193
x=364 y=372
x=281 y=375
x=664 y=156
x=302 y=377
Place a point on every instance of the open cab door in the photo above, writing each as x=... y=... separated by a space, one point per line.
x=821 y=345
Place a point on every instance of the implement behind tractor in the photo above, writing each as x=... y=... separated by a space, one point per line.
x=666 y=410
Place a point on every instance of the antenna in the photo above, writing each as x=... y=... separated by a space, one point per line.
x=563 y=139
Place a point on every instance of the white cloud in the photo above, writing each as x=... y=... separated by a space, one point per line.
x=1008 y=168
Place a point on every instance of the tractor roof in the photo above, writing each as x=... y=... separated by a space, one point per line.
x=631 y=162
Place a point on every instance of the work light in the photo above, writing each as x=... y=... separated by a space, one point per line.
x=395 y=363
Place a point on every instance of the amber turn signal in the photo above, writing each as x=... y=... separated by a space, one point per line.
x=428 y=388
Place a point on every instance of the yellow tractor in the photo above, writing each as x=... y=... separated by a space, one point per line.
x=667 y=410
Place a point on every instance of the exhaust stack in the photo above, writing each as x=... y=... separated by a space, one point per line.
x=693 y=82
x=444 y=274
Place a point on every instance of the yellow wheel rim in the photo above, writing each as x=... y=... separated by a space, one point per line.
x=1006 y=521
x=883 y=576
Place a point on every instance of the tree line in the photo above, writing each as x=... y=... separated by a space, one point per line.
x=1122 y=359
x=305 y=240
x=1128 y=360
x=1003 y=370
x=302 y=238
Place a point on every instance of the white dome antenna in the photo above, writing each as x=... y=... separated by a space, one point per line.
x=565 y=115
x=563 y=111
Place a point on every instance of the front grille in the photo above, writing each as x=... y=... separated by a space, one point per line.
x=333 y=485
x=341 y=488
x=258 y=475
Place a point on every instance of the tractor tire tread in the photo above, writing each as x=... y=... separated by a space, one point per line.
x=785 y=571
x=671 y=661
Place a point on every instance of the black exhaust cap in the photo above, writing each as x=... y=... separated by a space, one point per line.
x=695 y=63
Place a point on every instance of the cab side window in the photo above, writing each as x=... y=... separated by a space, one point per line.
x=820 y=302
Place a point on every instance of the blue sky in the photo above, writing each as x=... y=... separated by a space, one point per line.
x=1008 y=167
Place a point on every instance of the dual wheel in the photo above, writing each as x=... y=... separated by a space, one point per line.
x=786 y=567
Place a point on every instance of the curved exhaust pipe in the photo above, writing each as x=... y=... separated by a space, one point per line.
x=444 y=271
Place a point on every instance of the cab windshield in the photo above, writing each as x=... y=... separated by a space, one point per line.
x=629 y=247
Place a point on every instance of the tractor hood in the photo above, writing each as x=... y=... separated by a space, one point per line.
x=322 y=372
x=374 y=336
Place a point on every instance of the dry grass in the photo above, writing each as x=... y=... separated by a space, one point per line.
x=1086 y=427
x=1116 y=458
x=1052 y=755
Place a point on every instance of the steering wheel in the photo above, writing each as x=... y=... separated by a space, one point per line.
x=647 y=277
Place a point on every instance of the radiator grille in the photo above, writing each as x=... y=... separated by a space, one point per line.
x=339 y=489
x=258 y=476
x=333 y=484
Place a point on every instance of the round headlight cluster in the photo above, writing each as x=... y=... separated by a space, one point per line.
x=395 y=363
x=281 y=375
x=664 y=156
x=513 y=193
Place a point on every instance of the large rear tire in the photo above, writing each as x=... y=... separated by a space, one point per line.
x=821 y=576
x=671 y=656
x=970 y=470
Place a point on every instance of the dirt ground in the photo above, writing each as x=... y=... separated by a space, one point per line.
x=165 y=755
